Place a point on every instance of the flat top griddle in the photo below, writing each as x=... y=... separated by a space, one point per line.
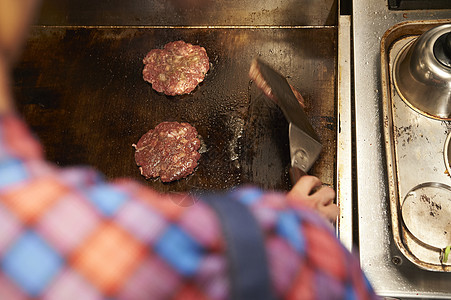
x=81 y=91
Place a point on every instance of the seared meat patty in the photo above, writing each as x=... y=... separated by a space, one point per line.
x=177 y=69
x=169 y=151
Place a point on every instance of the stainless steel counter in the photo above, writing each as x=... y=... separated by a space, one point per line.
x=391 y=274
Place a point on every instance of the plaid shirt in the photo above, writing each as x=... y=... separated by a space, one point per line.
x=66 y=233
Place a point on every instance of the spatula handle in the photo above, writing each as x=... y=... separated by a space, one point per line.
x=296 y=174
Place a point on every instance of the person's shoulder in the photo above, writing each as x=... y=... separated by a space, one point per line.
x=16 y=139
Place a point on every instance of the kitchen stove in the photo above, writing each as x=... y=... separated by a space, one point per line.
x=383 y=122
x=418 y=179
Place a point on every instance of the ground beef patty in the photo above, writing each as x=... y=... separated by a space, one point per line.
x=170 y=151
x=177 y=69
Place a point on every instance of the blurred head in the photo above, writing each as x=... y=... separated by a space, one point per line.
x=15 y=19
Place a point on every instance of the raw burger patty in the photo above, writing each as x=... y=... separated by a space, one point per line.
x=177 y=69
x=170 y=151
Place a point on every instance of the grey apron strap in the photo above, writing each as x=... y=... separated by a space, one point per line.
x=248 y=265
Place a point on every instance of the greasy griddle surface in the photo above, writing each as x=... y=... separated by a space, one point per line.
x=81 y=90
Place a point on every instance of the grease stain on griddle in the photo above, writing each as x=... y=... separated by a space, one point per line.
x=265 y=145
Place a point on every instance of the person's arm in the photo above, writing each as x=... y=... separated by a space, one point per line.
x=309 y=191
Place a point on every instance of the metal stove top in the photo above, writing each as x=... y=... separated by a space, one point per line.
x=391 y=273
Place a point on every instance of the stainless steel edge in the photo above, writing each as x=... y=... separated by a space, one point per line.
x=379 y=260
x=344 y=135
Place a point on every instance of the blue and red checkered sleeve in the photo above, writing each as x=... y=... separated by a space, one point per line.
x=307 y=261
x=66 y=233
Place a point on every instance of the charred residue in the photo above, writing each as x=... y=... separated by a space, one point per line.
x=434 y=207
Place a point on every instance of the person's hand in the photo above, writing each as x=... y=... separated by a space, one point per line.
x=310 y=191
